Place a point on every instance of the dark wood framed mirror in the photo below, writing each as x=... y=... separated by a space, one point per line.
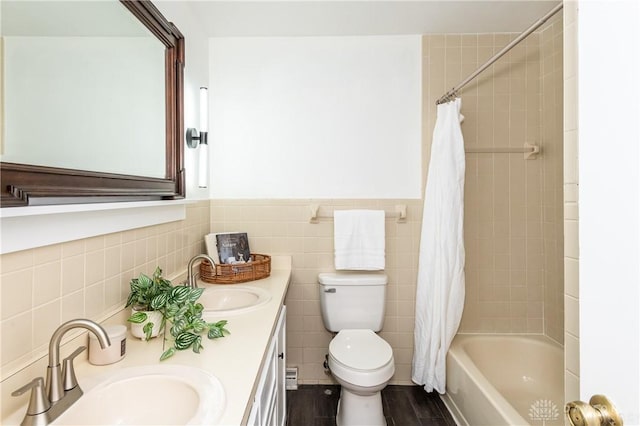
x=26 y=184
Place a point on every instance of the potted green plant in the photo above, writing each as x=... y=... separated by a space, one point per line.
x=146 y=299
x=176 y=305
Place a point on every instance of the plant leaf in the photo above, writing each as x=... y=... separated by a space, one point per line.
x=195 y=294
x=184 y=340
x=192 y=310
x=157 y=274
x=182 y=311
x=144 y=281
x=179 y=294
x=168 y=353
x=159 y=301
x=148 y=328
x=217 y=329
x=197 y=345
x=130 y=299
x=138 y=318
x=214 y=333
x=179 y=325
x=198 y=325
x=134 y=284
x=172 y=310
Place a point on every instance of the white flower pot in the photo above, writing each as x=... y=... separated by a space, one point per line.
x=137 y=330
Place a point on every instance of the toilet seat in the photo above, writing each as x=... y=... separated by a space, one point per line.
x=360 y=349
x=361 y=357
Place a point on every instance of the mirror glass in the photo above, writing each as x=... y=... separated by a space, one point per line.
x=84 y=88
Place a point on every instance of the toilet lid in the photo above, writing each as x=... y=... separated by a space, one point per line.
x=360 y=349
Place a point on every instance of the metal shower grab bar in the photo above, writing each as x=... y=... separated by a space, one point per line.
x=530 y=151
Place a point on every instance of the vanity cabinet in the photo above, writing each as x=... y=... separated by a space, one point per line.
x=269 y=403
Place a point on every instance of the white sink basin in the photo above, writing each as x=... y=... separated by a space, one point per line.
x=235 y=299
x=148 y=395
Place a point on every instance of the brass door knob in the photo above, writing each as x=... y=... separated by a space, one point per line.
x=598 y=412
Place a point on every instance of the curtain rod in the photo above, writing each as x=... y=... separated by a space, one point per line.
x=451 y=94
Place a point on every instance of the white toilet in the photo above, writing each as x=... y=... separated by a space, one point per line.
x=362 y=362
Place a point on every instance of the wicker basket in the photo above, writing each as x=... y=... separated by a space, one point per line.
x=259 y=267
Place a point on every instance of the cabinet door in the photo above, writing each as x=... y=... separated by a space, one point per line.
x=266 y=390
x=281 y=368
x=269 y=405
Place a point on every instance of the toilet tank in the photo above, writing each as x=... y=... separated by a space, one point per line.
x=352 y=300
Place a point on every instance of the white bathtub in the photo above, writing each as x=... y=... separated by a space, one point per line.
x=505 y=380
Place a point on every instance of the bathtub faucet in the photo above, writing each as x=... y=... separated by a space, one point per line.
x=62 y=390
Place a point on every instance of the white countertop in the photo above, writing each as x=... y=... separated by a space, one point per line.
x=235 y=359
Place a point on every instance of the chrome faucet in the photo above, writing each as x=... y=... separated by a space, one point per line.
x=62 y=389
x=191 y=279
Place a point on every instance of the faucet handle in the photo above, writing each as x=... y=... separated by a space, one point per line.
x=69 y=380
x=38 y=402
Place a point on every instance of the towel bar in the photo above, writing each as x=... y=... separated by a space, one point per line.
x=400 y=214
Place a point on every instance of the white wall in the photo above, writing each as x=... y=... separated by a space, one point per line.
x=609 y=176
x=196 y=74
x=315 y=117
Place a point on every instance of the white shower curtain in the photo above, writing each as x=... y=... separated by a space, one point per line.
x=440 y=286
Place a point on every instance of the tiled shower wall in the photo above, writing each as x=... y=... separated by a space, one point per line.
x=507 y=208
x=551 y=44
x=282 y=227
x=88 y=278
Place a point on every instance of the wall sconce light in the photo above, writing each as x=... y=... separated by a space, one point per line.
x=195 y=139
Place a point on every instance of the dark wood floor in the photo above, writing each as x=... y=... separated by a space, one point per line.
x=315 y=405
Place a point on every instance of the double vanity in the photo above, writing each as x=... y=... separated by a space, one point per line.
x=235 y=380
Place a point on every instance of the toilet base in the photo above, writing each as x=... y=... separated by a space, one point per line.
x=359 y=410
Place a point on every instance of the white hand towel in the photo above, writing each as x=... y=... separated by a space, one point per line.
x=359 y=239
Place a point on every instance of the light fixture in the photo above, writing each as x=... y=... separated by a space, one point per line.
x=197 y=139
